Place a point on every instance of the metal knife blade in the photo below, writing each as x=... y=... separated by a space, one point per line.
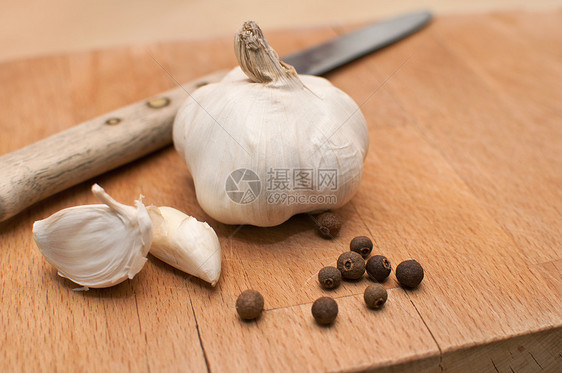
x=91 y=148
x=335 y=53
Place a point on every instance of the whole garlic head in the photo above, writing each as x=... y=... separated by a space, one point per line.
x=96 y=246
x=262 y=120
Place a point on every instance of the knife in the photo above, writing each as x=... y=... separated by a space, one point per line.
x=51 y=165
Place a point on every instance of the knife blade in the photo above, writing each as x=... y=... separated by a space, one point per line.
x=58 y=162
x=337 y=52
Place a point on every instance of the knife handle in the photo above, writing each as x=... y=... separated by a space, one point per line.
x=91 y=148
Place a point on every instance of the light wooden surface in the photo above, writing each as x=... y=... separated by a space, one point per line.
x=35 y=172
x=463 y=174
x=37 y=27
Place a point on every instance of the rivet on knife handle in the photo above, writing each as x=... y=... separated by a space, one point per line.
x=67 y=158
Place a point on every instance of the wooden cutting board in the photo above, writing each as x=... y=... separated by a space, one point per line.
x=464 y=174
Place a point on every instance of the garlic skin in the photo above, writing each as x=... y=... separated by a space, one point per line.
x=96 y=246
x=185 y=243
x=263 y=116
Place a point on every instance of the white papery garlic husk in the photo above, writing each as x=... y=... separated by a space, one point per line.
x=185 y=243
x=96 y=246
x=99 y=246
x=264 y=117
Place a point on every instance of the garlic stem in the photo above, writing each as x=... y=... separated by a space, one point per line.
x=103 y=197
x=259 y=61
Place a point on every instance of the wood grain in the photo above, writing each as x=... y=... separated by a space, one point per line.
x=62 y=160
x=463 y=174
x=68 y=25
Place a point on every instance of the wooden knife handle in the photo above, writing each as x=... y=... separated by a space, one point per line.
x=91 y=148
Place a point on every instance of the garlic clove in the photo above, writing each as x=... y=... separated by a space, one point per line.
x=96 y=245
x=185 y=243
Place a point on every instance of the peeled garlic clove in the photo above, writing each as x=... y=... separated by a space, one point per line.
x=185 y=243
x=96 y=245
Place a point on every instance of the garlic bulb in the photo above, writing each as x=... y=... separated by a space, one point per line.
x=96 y=245
x=265 y=143
x=185 y=243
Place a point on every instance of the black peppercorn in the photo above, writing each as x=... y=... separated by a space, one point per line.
x=378 y=267
x=249 y=304
x=329 y=277
x=375 y=296
x=361 y=245
x=325 y=310
x=409 y=273
x=329 y=224
x=351 y=265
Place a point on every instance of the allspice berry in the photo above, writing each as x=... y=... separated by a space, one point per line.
x=409 y=273
x=375 y=296
x=329 y=277
x=378 y=267
x=325 y=310
x=351 y=265
x=329 y=224
x=249 y=304
x=361 y=245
